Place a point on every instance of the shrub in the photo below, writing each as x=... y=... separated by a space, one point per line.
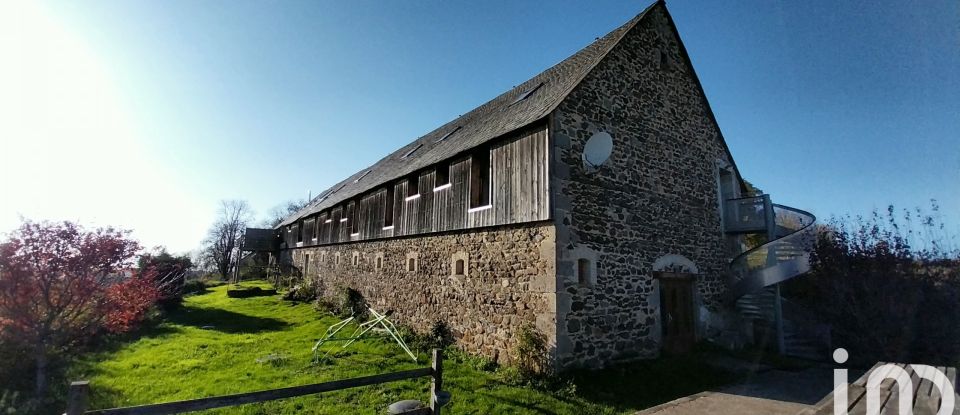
x=194 y=287
x=246 y=292
x=438 y=337
x=303 y=291
x=886 y=299
x=352 y=303
x=128 y=303
x=530 y=354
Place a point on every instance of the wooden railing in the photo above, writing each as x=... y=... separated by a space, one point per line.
x=79 y=394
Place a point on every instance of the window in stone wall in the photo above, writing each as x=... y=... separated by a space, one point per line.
x=460 y=264
x=306 y=264
x=379 y=262
x=356 y=258
x=583 y=272
x=413 y=262
x=336 y=259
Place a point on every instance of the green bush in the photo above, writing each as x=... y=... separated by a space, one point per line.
x=351 y=303
x=889 y=291
x=438 y=337
x=302 y=292
x=530 y=354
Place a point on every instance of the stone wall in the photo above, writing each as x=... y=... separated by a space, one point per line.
x=508 y=280
x=656 y=196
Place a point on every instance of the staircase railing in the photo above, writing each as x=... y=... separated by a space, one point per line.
x=778 y=260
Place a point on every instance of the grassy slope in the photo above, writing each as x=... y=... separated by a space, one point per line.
x=179 y=359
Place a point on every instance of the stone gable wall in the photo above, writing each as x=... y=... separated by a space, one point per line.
x=657 y=195
x=508 y=281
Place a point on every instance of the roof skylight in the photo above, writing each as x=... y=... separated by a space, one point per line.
x=362 y=175
x=527 y=94
x=447 y=135
x=417 y=147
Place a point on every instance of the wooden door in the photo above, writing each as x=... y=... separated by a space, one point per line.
x=677 y=312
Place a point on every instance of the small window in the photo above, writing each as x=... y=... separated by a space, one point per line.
x=388 y=207
x=379 y=262
x=411 y=264
x=413 y=185
x=458 y=267
x=442 y=174
x=583 y=272
x=447 y=135
x=356 y=258
x=336 y=259
x=480 y=178
x=306 y=264
x=412 y=150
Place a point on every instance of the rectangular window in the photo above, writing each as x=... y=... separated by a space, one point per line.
x=583 y=272
x=306 y=264
x=354 y=223
x=480 y=178
x=335 y=228
x=413 y=185
x=388 y=207
x=442 y=175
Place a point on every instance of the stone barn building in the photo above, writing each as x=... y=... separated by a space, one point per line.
x=597 y=202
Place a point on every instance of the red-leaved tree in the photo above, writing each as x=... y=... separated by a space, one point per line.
x=129 y=301
x=54 y=280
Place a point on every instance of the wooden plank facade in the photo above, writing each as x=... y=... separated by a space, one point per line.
x=518 y=192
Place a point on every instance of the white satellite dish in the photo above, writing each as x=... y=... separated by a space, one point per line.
x=597 y=150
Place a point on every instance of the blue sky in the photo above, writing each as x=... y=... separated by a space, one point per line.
x=144 y=114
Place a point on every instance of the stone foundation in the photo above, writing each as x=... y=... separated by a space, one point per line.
x=508 y=280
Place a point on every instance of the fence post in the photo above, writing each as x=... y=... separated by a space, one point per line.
x=436 y=382
x=77 y=398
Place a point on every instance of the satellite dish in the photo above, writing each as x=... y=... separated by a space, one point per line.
x=597 y=150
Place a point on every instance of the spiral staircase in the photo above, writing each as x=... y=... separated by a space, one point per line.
x=757 y=273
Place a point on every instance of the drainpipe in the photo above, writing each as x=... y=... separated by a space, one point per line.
x=770 y=217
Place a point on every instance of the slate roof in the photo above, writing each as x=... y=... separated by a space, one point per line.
x=493 y=119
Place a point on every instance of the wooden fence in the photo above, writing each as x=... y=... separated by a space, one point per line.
x=79 y=393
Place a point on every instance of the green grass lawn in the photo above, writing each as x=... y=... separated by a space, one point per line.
x=215 y=345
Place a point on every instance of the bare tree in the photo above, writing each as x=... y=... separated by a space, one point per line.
x=222 y=246
x=281 y=211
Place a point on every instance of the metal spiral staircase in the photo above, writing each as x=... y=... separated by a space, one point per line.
x=758 y=272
